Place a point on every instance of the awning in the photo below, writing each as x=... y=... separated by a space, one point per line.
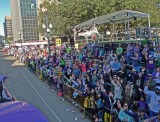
x=113 y=17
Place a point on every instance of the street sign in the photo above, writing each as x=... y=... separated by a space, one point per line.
x=58 y=42
x=76 y=45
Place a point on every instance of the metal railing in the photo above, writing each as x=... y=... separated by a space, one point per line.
x=62 y=85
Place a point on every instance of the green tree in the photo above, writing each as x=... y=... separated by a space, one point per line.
x=68 y=13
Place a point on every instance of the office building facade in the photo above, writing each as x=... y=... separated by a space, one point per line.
x=24 y=20
x=8 y=27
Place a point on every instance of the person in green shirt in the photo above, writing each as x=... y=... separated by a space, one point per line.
x=119 y=51
x=62 y=63
x=68 y=50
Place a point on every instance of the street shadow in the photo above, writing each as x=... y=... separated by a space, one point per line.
x=12 y=61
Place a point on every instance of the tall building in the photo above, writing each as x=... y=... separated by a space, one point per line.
x=24 y=20
x=8 y=27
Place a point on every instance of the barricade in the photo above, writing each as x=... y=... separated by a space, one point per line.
x=37 y=71
x=107 y=117
x=41 y=76
x=73 y=95
x=65 y=88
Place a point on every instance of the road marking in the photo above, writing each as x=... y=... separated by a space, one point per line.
x=40 y=96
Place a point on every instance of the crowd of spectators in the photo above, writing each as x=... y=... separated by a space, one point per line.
x=123 y=82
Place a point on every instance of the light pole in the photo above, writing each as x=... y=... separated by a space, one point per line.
x=20 y=38
x=47 y=26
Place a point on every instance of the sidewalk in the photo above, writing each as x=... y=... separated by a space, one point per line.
x=12 y=58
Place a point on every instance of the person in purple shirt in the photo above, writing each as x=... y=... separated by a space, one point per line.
x=156 y=74
x=84 y=58
x=137 y=48
x=141 y=103
x=150 y=64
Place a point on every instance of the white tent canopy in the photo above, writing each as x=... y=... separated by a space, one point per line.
x=114 y=17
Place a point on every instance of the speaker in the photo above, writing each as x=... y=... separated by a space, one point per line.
x=135 y=18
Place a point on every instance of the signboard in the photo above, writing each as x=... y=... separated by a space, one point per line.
x=58 y=42
x=76 y=45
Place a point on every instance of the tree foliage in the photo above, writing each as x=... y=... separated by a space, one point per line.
x=68 y=13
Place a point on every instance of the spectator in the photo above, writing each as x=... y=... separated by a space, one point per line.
x=139 y=116
x=142 y=104
x=1 y=90
x=93 y=71
x=129 y=52
x=137 y=48
x=154 y=104
x=136 y=62
x=119 y=51
x=150 y=64
x=156 y=74
x=128 y=95
x=123 y=116
x=115 y=65
x=117 y=88
x=154 y=119
x=62 y=63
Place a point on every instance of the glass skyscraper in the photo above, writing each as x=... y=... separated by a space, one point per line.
x=24 y=19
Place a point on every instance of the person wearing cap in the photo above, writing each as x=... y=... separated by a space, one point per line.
x=153 y=103
x=150 y=64
x=155 y=118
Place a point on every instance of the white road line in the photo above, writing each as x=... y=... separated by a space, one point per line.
x=40 y=96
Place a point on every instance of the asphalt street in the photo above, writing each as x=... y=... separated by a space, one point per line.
x=25 y=86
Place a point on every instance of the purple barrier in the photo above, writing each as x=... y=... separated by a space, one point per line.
x=20 y=112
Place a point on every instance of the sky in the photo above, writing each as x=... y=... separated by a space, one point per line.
x=4 y=11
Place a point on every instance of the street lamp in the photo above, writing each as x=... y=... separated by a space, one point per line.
x=47 y=26
x=20 y=38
